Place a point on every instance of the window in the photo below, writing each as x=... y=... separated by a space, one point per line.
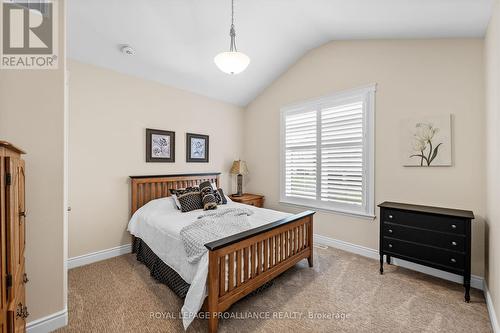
x=327 y=148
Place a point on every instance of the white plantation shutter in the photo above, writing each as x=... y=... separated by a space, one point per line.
x=342 y=154
x=300 y=147
x=327 y=153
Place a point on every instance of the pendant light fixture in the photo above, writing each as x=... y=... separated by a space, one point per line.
x=232 y=62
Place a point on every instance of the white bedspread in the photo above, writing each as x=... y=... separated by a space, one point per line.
x=158 y=223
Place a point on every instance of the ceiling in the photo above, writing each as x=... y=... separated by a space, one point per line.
x=176 y=40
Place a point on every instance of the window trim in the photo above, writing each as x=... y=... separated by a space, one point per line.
x=341 y=97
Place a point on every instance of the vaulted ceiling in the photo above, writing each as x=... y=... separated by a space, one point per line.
x=176 y=40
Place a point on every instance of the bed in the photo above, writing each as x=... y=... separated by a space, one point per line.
x=234 y=266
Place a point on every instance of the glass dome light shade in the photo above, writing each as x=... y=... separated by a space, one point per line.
x=232 y=62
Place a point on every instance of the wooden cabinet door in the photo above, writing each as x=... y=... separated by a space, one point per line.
x=15 y=232
x=18 y=282
x=15 y=223
x=3 y=264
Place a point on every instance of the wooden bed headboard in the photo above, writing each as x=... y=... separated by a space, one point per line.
x=147 y=188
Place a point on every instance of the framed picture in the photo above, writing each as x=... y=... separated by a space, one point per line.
x=160 y=146
x=426 y=141
x=196 y=148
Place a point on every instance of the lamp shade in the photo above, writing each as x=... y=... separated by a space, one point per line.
x=239 y=168
x=232 y=62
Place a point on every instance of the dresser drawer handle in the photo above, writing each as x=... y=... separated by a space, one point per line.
x=454 y=243
x=391 y=217
x=390 y=246
x=453 y=260
x=389 y=231
x=453 y=226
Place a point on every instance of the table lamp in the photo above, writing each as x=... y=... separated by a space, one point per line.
x=239 y=168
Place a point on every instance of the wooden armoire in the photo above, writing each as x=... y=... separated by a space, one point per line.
x=13 y=310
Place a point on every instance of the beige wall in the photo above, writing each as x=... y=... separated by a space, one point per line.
x=492 y=55
x=414 y=78
x=109 y=113
x=32 y=116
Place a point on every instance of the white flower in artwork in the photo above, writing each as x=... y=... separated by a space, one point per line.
x=423 y=144
x=419 y=144
x=426 y=131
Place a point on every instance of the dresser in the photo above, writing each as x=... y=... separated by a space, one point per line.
x=13 y=310
x=432 y=236
x=249 y=199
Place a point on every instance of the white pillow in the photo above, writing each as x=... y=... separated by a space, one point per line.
x=214 y=186
x=176 y=201
x=228 y=198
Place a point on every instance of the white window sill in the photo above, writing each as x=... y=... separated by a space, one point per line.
x=334 y=211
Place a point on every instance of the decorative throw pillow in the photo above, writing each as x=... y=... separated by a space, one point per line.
x=190 y=201
x=208 y=196
x=216 y=194
x=221 y=198
x=176 y=192
x=179 y=191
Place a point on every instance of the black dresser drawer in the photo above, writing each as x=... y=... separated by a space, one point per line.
x=428 y=254
x=432 y=236
x=426 y=221
x=425 y=237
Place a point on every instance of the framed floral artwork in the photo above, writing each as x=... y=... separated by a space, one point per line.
x=426 y=141
x=197 y=148
x=160 y=146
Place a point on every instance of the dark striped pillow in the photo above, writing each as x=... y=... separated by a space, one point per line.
x=208 y=196
x=221 y=198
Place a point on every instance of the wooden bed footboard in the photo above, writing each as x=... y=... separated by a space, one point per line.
x=241 y=263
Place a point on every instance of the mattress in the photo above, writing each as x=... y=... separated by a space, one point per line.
x=158 y=224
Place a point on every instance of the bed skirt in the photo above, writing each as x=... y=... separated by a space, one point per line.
x=159 y=270
x=165 y=274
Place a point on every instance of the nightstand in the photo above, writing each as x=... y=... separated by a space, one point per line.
x=249 y=199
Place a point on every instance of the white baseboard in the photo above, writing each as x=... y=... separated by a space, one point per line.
x=491 y=310
x=49 y=323
x=476 y=281
x=90 y=258
x=346 y=246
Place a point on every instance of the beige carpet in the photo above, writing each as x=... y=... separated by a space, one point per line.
x=344 y=290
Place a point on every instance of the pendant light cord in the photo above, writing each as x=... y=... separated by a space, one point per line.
x=232 y=31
